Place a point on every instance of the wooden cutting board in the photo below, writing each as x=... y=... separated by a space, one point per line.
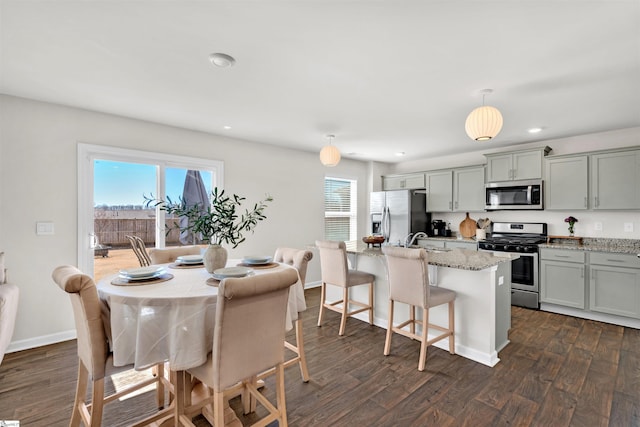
x=468 y=227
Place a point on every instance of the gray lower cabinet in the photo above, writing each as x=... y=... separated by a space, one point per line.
x=615 y=284
x=562 y=277
x=452 y=244
x=431 y=244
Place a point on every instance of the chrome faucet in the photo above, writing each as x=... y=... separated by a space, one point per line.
x=413 y=239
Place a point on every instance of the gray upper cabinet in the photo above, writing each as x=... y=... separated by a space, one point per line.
x=468 y=189
x=439 y=191
x=402 y=182
x=515 y=165
x=566 y=183
x=615 y=180
x=457 y=190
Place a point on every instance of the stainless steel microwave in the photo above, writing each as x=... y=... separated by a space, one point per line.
x=514 y=195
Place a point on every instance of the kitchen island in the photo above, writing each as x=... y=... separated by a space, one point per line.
x=482 y=281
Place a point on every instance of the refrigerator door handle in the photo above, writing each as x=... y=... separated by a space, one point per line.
x=386 y=224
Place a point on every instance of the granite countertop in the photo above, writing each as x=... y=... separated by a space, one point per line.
x=620 y=246
x=461 y=259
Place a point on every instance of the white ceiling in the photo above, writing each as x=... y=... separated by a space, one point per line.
x=383 y=76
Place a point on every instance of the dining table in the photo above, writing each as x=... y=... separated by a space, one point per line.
x=171 y=317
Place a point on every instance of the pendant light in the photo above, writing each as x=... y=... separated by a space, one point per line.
x=485 y=122
x=330 y=155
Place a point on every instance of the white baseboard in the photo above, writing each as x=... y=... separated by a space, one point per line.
x=40 y=341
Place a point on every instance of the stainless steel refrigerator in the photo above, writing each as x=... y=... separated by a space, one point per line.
x=395 y=214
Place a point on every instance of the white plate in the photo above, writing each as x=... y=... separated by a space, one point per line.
x=223 y=273
x=142 y=272
x=257 y=259
x=189 y=259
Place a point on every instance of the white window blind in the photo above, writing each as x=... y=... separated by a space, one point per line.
x=340 y=209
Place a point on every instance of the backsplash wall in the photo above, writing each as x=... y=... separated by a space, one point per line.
x=612 y=221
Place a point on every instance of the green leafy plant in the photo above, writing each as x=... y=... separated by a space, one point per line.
x=219 y=222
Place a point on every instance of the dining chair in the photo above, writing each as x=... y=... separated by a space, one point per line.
x=409 y=284
x=9 y=296
x=335 y=271
x=247 y=340
x=298 y=258
x=137 y=244
x=95 y=361
x=165 y=255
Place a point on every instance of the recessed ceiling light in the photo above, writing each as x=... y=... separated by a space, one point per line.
x=222 y=60
x=535 y=130
x=400 y=153
x=226 y=127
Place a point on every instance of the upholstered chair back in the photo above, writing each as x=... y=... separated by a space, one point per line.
x=163 y=256
x=92 y=339
x=408 y=275
x=298 y=258
x=250 y=326
x=333 y=262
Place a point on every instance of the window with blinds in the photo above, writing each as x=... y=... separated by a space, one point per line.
x=340 y=209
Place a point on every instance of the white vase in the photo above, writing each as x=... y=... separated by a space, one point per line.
x=214 y=257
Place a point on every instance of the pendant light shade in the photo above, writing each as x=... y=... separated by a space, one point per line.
x=330 y=155
x=484 y=123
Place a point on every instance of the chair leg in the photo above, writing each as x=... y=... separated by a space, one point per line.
x=452 y=337
x=81 y=391
x=218 y=408
x=387 y=342
x=300 y=345
x=371 y=303
x=280 y=396
x=323 y=290
x=345 y=310
x=412 y=318
x=97 y=402
x=158 y=372
x=424 y=338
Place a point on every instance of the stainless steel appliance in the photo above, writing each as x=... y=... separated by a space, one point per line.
x=514 y=195
x=395 y=214
x=522 y=239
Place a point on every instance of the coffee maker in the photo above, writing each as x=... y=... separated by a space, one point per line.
x=438 y=228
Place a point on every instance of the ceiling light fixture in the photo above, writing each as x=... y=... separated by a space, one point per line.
x=399 y=153
x=485 y=122
x=222 y=60
x=330 y=155
x=535 y=130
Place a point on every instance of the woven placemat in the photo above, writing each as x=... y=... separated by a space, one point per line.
x=259 y=266
x=119 y=281
x=174 y=265
x=213 y=282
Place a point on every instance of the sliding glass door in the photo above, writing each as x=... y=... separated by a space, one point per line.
x=112 y=187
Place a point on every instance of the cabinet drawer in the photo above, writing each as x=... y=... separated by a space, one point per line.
x=615 y=260
x=462 y=245
x=562 y=255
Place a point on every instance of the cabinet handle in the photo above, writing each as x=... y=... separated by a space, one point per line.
x=585 y=202
x=593 y=275
x=597 y=201
x=562 y=256
x=615 y=260
x=582 y=272
x=456 y=204
x=450 y=206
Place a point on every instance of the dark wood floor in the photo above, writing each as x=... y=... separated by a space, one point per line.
x=557 y=371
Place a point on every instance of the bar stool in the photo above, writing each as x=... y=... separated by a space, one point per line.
x=409 y=284
x=335 y=271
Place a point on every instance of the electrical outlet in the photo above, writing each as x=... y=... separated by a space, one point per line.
x=598 y=226
x=628 y=227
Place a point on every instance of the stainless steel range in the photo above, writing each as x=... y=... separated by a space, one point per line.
x=521 y=238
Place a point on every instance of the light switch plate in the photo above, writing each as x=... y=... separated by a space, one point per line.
x=597 y=226
x=44 y=228
x=628 y=227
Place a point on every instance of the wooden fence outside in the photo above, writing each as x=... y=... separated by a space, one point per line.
x=112 y=231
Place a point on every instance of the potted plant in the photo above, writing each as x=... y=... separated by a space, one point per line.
x=216 y=224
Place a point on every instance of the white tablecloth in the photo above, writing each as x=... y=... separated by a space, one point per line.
x=173 y=320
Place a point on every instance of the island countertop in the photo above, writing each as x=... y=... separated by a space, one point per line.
x=461 y=259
